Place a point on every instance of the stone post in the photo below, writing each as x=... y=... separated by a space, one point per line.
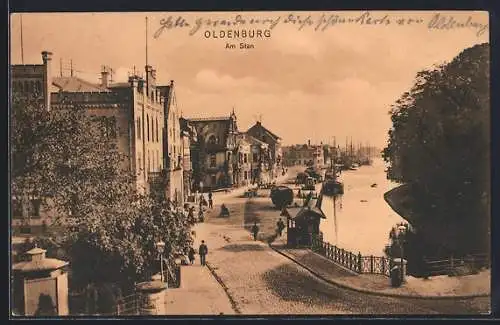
x=402 y=264
x=152 y=297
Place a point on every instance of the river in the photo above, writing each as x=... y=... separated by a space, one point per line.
x=362 y=219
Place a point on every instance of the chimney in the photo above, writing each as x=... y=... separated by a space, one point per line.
x=132 y=80
x=47 y=77
x=171 y=83
x=308 y=143
x=104 y=77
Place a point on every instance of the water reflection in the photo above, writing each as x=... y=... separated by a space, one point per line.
x=360 y=220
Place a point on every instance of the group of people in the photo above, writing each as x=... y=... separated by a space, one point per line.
x=280 y=226
x=202 y=251
x=203 y=201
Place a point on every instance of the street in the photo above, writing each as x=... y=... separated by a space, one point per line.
x=261 y=281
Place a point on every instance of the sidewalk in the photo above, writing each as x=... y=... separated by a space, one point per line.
x=239 y=191
x=199 y=294
x=440 y=287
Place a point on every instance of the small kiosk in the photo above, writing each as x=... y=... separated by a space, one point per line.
x=40 y=285
x=303 y=226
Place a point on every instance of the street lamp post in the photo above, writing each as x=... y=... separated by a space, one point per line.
x=160 y=246
x=401 y=232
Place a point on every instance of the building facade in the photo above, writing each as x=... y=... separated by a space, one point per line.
x=188 y=136
x=142 y=117
x=304 y=154
x=213 y=151
x=259 y=132
x=259 y=160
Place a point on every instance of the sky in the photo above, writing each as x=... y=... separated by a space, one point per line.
x=303 y=83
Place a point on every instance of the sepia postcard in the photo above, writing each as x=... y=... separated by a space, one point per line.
x=250 y=163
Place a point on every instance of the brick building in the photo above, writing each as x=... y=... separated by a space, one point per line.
x=141 y=116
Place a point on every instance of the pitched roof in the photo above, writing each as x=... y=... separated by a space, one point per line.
x=119 y=85
x=259 y=125
x=74 y=84
x=208 y=119
x=253 y=140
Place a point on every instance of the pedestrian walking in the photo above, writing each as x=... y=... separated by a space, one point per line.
x=280 y=226
x=201 y=217
x=191 y=254
x=255 y=230
x=203 y=251
x=210 y=203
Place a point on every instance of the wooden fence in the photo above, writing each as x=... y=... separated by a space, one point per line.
x=354 y=262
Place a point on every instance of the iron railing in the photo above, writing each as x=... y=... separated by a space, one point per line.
x=354 y=262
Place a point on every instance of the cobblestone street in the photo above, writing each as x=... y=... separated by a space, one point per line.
x=261 y=281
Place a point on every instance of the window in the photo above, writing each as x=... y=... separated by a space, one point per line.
x=213 y=161
x=138 y=128
x=245 y=158
x=246 y=175
x=38 y=87
x=147 y=125
x=179 y=159
x=149 y=160
x=255 y=157
x=157 y=130
x=36 y=207
x=152 y=130
x=214 y=180
x=212 y=139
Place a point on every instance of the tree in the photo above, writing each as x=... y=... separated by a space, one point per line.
x=439 y=143
x=64 y=157
x=121 y=246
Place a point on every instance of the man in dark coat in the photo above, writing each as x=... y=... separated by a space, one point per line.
x=255 y=230
x=280 y=226
x=203 y=251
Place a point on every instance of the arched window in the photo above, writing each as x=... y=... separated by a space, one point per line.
x=147 y=125
x=212 y=139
